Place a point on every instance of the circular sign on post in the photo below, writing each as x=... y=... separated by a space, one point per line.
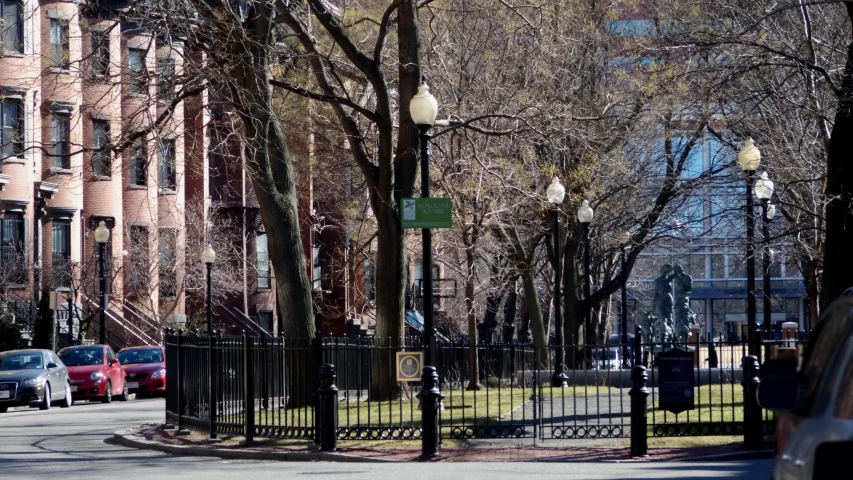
x=409 y=366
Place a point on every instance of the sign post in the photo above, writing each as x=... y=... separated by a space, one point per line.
x=676 y=381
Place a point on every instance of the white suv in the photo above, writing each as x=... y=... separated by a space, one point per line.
x=815 y=404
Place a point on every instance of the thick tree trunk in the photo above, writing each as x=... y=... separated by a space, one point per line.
x=838 y=262
x=273 y=179
x=390 y=303
x=534 y=310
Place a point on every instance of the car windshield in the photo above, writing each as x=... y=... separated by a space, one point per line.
x=140 y=355
x=73 y=357
x=20 y=361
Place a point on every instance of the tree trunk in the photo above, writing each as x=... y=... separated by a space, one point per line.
x=473 y=364
x=534 y=310
x=510 y=310
x=390 y=303
x=273 y=179
x=838 y=263
x=572 y=314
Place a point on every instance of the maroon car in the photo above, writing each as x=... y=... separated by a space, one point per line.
x=145 y=368
x=95 y=373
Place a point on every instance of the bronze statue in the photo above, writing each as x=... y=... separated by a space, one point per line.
x=663 y=302
x=683 y=318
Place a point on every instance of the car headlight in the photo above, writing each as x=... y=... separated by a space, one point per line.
x=158 y=373
x=96 y=375
x=33 y=382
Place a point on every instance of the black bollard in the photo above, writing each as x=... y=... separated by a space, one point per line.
x=639 y=411
x=430 y=398
x=328 y=412
x=752 y=421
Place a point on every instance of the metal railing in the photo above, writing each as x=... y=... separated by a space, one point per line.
x=268 y=387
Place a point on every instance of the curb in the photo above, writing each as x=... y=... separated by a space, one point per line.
x=122 y=437
x=753 y=455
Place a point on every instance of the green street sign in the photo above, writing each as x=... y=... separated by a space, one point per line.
x=427 y=213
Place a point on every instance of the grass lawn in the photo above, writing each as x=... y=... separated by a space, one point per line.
x=713 y=403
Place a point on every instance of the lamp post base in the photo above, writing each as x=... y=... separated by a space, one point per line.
x=559 y=379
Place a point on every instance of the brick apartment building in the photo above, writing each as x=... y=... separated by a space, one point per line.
x=75 y=84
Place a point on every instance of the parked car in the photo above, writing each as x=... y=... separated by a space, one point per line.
x=814 y=402
x=145 y=368
x=95 y=373
x=33 y=377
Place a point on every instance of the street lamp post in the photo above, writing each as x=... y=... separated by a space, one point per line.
x=624 y=242
x=556 y=193
x=749 y=158
x=424 y=108
x=764 y=191
x=209 y=256
x=585 y=215
x=102 y=236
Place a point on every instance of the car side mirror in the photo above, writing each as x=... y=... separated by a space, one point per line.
x=113 y=361
x=52 y=365
x=779 y=390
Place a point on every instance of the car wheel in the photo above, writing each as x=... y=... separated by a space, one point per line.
x=3 y=409
x=108 y=397
x=45 y=404
x=125 y=396
x=67 y=401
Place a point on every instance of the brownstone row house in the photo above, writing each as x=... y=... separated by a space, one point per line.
x=74 y=85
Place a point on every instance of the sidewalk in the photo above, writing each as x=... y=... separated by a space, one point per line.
x=154 y=437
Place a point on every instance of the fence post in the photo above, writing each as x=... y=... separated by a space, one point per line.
x=430 y=397
x=248 y=390
x=316 y=363
x=753 y=425
x=328 y=412
x=638 y=345
x=213 y=370
x=639 y=403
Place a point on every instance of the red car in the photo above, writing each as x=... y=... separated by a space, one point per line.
x=95 y=373
x=145 y=368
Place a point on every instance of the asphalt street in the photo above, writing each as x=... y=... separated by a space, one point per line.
x=74 y=443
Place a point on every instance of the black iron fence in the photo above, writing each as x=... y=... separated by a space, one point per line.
x=271 y=387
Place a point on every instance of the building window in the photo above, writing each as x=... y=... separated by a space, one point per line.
x=138 y=73
x=166 y=165
x=139 y=162
x=317 y=277
x=168 y=244
x=61 y=250
x=138 y=264
x=13 y=128
x=13 y=256
x=100 y=54
x=12 y=28
x=263 y=256
x=165 y=78
x=265 y=319
x=60 y=131
x=101 y=164
x=369 y=281
x=59 y=56
x=631 y=28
